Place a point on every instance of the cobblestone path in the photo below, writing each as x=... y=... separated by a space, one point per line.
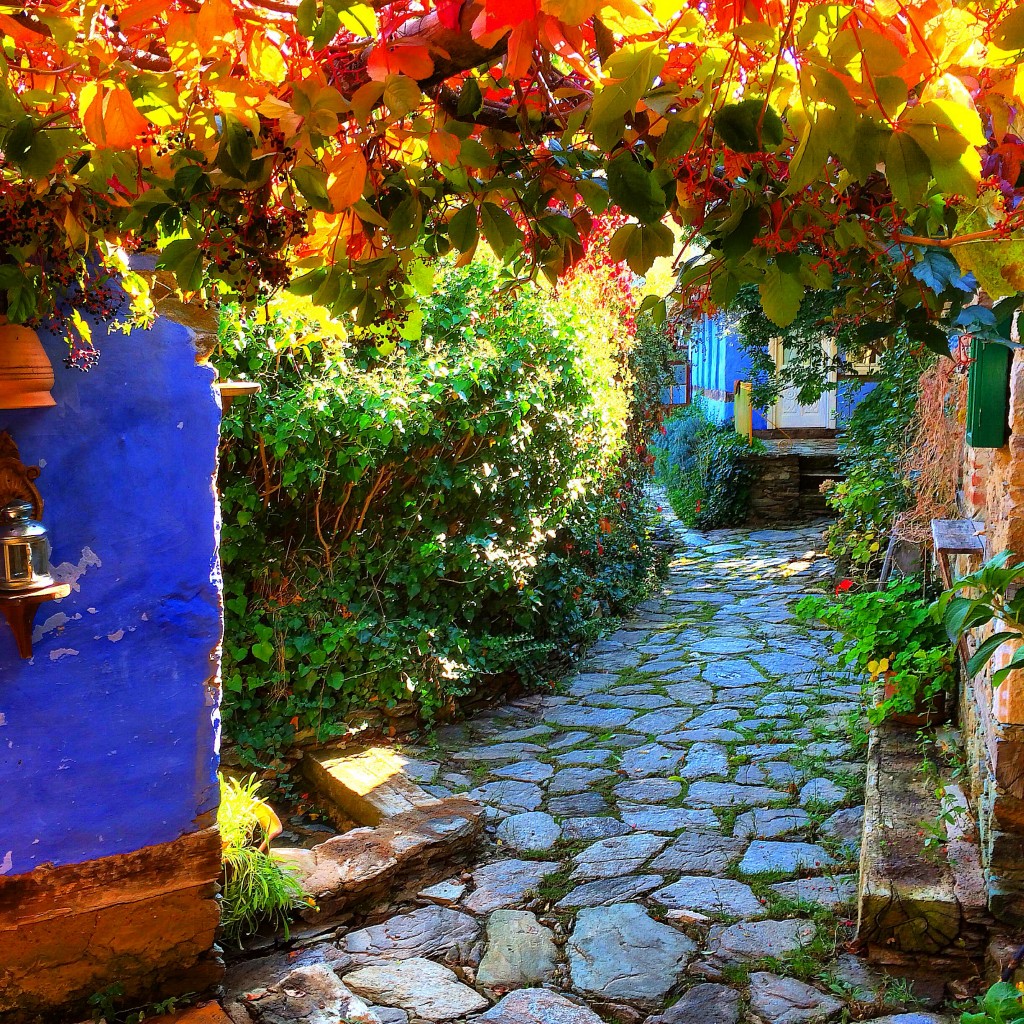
x=674 y=834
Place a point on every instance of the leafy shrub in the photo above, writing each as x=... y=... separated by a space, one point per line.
x=889 y=635
x=705 y=469
x=256 y=890
x=396 y=532
x=873 y=450
x=1003 y=1003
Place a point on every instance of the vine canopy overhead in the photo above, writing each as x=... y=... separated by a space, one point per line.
x=335 y=147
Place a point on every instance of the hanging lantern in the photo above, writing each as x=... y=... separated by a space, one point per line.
x=24 y=549
x=26 y=375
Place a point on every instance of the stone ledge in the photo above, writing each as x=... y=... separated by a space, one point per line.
x=917 y=907
x=409 y=839
x=144 y=920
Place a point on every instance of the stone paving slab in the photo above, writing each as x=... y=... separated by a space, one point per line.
x=677 y=808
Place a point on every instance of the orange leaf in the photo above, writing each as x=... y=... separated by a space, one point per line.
x=140 y=11
x=389 y=59
x=444 y=147
x=347 y=180
x=519 y=57
x=110 y=119
x=215 y=20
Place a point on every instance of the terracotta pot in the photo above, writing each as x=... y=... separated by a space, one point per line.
x=26 y=375
x=926 y=711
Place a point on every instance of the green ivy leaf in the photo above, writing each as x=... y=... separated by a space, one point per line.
x=183 y=258
x=401 y=94
x=264 y=651
x=312 y=184
x=234 y=154
x=470 y=99
x=462 y=229
x=781 y=295
x=635 y=189
x=640 y=245
x=907 y=169
x=30 y=149
x=749 y=126
x=499 y=229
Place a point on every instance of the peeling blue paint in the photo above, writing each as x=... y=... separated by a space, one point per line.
x=110 y=738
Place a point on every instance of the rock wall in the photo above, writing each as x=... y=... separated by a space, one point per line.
x=109 y=733
x=993 y=720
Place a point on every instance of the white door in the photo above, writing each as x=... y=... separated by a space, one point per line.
x=788 y=411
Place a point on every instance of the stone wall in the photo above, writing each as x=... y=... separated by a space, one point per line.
x=775 y=489
x=993 y=720
x=109 y=857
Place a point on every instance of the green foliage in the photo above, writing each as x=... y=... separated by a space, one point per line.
x=704 y=468
x=107 y=1007
x=873 y=455
x=1001 y=1004
x=256 y=889
x=995 y=595
x=888 y=636
x=398 y=531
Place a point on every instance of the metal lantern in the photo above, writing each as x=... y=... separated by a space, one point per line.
x=24 y=549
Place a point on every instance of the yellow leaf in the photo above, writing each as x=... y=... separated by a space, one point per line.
x=627 y=17
x=266 y=61
x=571 y=12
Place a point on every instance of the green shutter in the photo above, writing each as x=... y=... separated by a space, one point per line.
x=988 y=395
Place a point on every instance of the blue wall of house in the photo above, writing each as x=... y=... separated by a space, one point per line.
x=108 y=735
x=718 y=361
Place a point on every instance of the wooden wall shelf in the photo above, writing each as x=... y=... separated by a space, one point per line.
x=19 y=609
x=232 y=389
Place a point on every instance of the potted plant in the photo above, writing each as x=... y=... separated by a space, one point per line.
x=256 y=889
x=890 y=637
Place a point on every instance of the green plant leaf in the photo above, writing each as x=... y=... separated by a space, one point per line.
x=639 y=245
x=30 y=149
x=906 y=169
x=184 y=259
x=462 y=228
x=635 y=189
x=312 y=184
x=986 y=650
x=749 y=126
x=781 y=295
x=500 y=230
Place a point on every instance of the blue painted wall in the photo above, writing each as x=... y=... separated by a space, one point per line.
x=108 y=736
x=718 y=361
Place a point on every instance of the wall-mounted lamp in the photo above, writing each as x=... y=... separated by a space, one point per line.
x=25 y=580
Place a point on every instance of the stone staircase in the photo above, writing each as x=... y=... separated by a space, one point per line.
x=814 y=471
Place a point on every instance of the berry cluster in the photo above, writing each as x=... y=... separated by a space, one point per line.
x=81 y=358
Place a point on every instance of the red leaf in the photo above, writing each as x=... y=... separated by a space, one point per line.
x=449 y=12
x=501 y=14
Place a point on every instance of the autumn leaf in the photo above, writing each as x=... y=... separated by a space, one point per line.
x=109 y=117
x=347 y=179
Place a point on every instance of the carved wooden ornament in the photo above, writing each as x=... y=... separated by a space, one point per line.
x=16 y=479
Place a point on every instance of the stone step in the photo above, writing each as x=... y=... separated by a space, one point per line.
x=919 y=906
x=367 y=784
x=409 y=838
